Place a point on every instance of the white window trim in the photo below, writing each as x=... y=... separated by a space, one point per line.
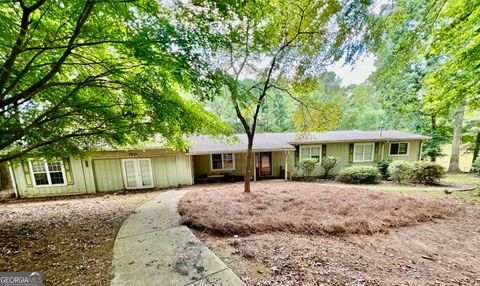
x=32 y=175
x=395 y=155
x=310 y=151
x=124 y=173
x=223 y=169
x=363 y=144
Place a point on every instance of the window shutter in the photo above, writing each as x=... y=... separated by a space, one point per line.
x=324 y=151
x=350 y=157
x=68 y=171
x=375 y=157
x=28 y=176
x=297 y=154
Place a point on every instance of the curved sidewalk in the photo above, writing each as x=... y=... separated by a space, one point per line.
x=151 y=248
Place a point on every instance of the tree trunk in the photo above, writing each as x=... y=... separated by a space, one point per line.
x=457 y=133
x=5 y=179
x=248 y=165
x=476 y=148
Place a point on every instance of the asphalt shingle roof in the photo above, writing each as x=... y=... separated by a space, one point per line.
x=204 y=144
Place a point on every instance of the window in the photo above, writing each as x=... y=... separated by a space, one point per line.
x=363 y=152
x=47 y=173
x=398 y=149
x=314 y=152
x=225 y=161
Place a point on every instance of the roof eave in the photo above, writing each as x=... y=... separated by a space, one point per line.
x=207 y=152
x=357 y=140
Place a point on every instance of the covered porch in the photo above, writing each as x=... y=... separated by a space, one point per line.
x=225 y=159
x=225 y=167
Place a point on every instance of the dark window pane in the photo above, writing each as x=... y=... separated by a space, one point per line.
x=216 y=165
x=402 y=148
x=56 y=178
x=316 y=157
x=394 y=149
x=40 y=179
x=217 y=161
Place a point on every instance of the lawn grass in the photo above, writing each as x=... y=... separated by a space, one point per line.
x=455 y=178
x=305 y=208
x=465 y=158
x=462 y=178
x=472 y=196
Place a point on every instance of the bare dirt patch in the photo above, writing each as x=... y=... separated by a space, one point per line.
x=69 y=240
x=441 y=252
x=305 y=208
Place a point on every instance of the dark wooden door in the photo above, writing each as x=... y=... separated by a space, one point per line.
x=263 y=164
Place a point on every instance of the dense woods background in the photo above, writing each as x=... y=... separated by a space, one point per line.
x=363 y=107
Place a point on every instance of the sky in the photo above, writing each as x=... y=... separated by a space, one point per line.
x=363 y=67
x=356 y=73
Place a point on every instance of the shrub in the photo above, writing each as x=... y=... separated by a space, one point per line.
x=359 y=175
x=307 y=166
x=400 y=171
x=328 y=164
x=383 y=168
x=476 y=167
x=427 y=172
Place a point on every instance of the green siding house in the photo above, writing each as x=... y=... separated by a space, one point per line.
x=207 y=159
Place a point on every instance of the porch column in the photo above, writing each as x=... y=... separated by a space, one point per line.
x=254 y=167
x=286 y=165
x=383 y=150
x=190 y=167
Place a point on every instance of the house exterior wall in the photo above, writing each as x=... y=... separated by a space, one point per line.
x=414 y=148
x=341 y=151
x=278 y=162
x=103 y=172
x=169 y=168
x=108 y=174
x=202 y=166
x=82 y=181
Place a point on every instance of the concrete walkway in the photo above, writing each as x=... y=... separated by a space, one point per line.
x=151 y=248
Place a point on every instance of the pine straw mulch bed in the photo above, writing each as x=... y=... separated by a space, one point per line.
x=69 y=240
x=305 y=208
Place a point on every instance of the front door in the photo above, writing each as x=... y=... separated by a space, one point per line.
x=137 y=173
x=263 y=164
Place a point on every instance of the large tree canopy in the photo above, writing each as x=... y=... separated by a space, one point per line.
x=456 y=41
x=428 y=61
x=432 y=49
x=79 y=74
x=281 y=46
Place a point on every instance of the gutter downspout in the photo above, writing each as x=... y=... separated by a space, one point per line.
x=286 y=166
